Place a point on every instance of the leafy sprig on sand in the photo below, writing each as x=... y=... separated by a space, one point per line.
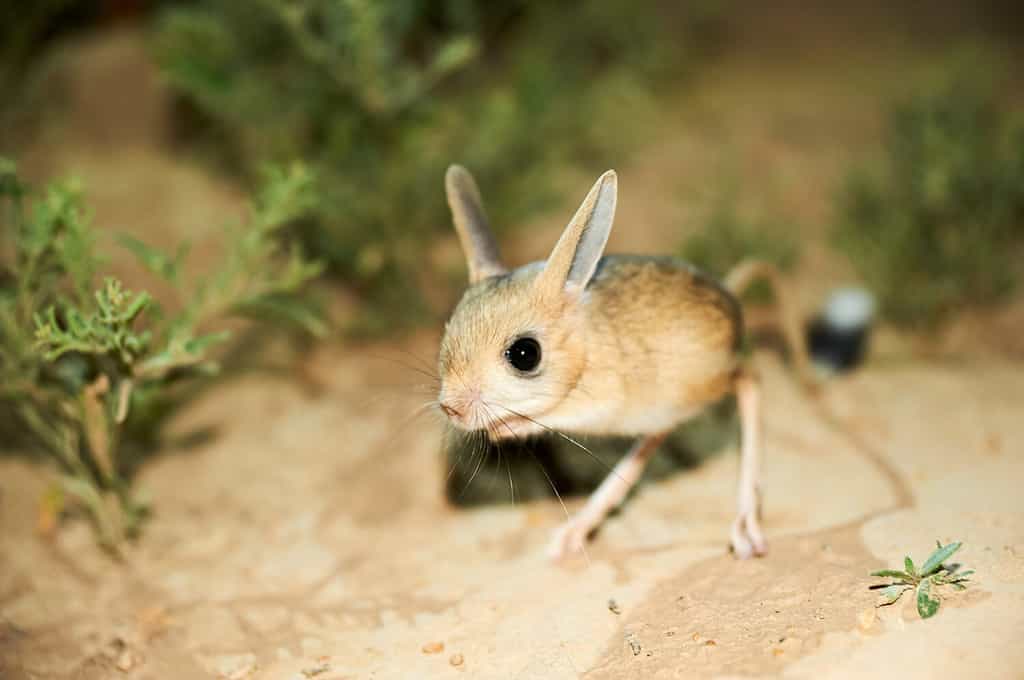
x=932 y=574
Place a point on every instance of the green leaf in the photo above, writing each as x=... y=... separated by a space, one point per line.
x=891 y=593
x=284 y=309
x=198 y=346
x=909 y=566
x=926 y=604
x=455 y=54
x=181 y=352
x=287 y=193
x=954 y=578
x=892 y=573
x=943 y=553
x=152 y=259
x=136 y=306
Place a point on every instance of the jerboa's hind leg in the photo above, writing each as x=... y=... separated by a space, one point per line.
x=746 y=537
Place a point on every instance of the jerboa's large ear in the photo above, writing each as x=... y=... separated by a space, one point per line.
x=471 y=225
x=575 y=256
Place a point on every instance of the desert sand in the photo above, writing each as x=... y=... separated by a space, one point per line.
x=307 y=536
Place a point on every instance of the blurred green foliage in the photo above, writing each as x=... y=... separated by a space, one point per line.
x=83 y=359
x=938 y=226
x=381 y=97
x=727 y=237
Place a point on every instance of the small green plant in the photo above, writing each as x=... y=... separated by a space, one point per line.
x=87 y=365
x=938 y=225
x=932 y=574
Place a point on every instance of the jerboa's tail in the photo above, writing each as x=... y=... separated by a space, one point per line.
x=739 y=280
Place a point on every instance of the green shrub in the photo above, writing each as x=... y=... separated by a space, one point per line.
x=86 y=363
x=939 y=226
x=381 y=97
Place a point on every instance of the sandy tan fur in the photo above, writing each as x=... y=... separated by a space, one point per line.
x=628 y=345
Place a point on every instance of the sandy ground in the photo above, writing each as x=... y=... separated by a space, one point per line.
x=309 y=538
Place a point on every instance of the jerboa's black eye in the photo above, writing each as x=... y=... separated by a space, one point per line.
x=523 y=354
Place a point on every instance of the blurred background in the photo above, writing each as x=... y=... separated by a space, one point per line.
x=876 y=144
x=875 y=141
